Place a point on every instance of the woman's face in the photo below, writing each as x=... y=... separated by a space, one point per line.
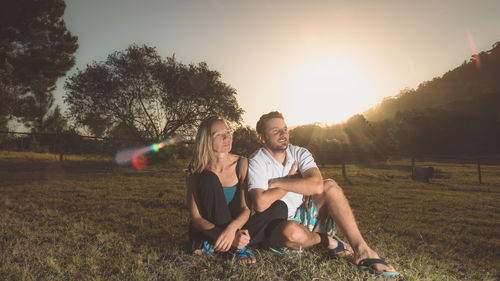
x=221 y=137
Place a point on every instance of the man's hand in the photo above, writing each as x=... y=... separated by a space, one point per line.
x=293 y=170
x=241 y=239
x=291 y=173
x=308 y=183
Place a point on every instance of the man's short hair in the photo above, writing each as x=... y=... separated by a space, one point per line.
x=261 y=124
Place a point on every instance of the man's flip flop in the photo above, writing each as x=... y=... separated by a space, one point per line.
x=337 y=250
x=285 y=251
x=244 y=254
x=368 y=264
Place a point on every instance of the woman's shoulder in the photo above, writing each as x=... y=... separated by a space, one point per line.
x=189 y=170
x=237 y=158
x=242 y=162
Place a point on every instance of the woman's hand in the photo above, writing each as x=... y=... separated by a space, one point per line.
x=241 y=239
x=225 y=239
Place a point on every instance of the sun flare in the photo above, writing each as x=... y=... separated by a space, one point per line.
x=328 y=90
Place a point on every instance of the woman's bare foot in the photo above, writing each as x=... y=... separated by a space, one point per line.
x=205 y=249
x=244 y=256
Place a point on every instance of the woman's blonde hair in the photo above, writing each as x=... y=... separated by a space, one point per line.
x=203 y=149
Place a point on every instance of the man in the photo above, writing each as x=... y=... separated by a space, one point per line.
x=281 y=171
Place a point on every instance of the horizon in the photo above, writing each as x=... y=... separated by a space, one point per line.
x=345 y=57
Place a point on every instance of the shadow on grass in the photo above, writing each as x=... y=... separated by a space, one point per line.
x=379 y=166
x=146 y=209
x=26 y=171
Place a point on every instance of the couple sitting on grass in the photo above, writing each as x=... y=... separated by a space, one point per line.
x=295 y=208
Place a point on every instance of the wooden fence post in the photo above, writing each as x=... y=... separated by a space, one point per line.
x=412 y=166
x=59 y=146
x=479 y=170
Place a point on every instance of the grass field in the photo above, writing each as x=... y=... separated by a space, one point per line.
x=88 y=219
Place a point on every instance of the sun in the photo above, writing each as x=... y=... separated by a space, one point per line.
x=326 y=89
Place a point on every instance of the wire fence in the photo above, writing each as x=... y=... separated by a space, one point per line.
x=63 y=143
x=71 y=143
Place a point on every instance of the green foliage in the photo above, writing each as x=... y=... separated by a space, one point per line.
x=467 y=128
x=457 y=113
x=151 y=97
x=122 y=136
x=35 y=50
x=55 y=122
x=245 y=141
x=355 y=140
x=306 y=134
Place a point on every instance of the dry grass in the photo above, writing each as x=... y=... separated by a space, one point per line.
x=87 y=219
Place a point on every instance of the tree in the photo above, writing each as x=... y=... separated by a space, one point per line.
x=360 y=135
x=60 y=138
x=153 y=98
x=6 y=96
x=245 y=141
x=386 y=143
x=306 y=134
x=35 y=50
x=55 y=122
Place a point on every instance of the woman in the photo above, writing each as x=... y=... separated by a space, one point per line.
x=218 y=200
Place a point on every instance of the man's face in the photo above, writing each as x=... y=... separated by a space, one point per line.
x=275 y=136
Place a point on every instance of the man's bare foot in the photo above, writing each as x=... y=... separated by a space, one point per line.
x=369 y=259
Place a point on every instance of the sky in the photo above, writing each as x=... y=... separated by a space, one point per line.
x=315 y=61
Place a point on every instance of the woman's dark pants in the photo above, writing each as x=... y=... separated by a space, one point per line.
x=213 y=207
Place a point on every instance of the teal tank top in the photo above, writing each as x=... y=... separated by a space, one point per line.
x=229 y=192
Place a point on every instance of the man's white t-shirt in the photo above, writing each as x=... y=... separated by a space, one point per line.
x=262 y=167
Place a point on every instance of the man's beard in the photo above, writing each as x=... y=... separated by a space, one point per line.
x=277 y=147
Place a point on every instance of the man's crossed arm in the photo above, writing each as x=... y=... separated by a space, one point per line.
x=309 y=183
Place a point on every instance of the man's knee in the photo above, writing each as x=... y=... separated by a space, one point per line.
x=330 y=185
x=292 y=232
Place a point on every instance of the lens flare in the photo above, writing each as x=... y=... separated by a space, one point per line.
x=137 y=156
x=139 y=161
x=474 y=53
x=155 y=147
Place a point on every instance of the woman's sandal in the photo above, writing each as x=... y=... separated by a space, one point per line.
x=206 y=249
x=244 y=255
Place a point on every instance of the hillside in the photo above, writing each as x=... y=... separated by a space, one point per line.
x=455 y=115
x=453 y=91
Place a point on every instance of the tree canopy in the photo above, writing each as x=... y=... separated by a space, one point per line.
x=35 y=50
x=152 y=97
x=245 y=141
